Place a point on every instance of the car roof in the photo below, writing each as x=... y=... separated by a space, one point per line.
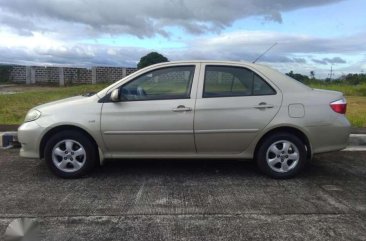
x=218 y=62
x=209 y=61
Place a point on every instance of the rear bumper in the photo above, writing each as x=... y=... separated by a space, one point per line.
x=328 y=138
x=29 y=136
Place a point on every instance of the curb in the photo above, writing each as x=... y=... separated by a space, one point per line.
x=357 y=142
x=355 y=130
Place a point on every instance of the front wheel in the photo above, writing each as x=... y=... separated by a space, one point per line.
x=281 y=155
x=70 y=154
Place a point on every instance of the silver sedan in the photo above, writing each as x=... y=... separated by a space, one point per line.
x=190 y=109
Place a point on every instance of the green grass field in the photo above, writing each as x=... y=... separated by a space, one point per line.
x=348 y=90
x=356 y=110
x=13 y=107
x=356 y=99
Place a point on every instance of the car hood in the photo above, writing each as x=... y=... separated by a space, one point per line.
x=60 y=102
x=64 y=103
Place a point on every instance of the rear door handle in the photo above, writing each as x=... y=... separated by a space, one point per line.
x=263 y=105
x=182 y=108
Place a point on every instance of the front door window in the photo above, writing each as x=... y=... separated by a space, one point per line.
x=161 y=84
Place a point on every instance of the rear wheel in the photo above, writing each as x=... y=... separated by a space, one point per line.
x=70 y=154
x=281 y=155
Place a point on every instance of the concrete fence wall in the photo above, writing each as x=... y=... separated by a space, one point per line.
x=67 y=75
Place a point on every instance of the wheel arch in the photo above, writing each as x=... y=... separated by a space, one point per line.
x=57 y=129
x=289 y=129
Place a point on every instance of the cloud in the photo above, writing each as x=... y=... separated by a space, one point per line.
x=325 y=61
x=290 y=48
x=74 y=55
x=237 y=46
x=300 y=60
x=319 y=61
x=257 y=41
x=336 y=60
x=61 y=32
x=142 y=18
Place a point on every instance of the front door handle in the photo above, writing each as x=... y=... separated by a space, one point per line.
x=182 y=108
x=263 y=105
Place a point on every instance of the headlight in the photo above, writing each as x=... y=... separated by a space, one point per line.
x=32 y=115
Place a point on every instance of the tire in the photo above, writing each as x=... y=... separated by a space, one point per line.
x=281 y=155
x=70 y=154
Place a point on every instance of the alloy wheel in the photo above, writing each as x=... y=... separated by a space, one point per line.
x=68 y=155
x=282 y=156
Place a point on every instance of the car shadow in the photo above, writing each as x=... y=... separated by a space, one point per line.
x=177 y=168
x=321 y=167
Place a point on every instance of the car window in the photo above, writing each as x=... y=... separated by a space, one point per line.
x=223 y=81
x=260 y=87
x=165 y=83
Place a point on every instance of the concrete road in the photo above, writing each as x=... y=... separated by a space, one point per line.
x=188 y=200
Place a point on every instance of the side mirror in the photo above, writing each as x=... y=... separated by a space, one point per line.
x=115 y=95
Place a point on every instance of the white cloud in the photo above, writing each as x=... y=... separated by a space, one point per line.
x=140 y=18
x=253 y=41
x=50 y=32
x=293 y=52
x=300 y=53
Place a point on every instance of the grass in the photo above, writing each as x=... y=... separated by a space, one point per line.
x=356 y=110
x=348 y=90
x=14 y=107
x=356 y=99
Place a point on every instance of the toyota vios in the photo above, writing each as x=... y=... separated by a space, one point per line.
x=190 y=109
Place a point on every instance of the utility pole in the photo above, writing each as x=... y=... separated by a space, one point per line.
x=331 y=73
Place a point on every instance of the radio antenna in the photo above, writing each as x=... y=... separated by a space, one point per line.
x=264 y=52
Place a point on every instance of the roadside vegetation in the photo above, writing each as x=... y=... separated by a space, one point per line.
x=5 y=73
x=348 y=90
x=356 y=110
x=13 y=107
x=349 y=85
x=353 y=86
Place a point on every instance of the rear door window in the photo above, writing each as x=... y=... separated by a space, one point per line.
x=225 y=81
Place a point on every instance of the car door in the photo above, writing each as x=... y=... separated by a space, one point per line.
x=155 y=114
x=234 y=104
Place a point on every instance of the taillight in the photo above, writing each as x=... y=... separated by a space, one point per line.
x=339 y=106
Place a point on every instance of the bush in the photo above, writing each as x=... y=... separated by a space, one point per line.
x=5 y=71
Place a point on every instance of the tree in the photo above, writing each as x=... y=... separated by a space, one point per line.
x=298 y=77
x=150 y=59
x=312 y=74
x=5 y=71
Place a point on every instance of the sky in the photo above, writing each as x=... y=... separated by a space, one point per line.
x=311 y=35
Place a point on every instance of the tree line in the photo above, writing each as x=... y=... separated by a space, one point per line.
x=349 y=79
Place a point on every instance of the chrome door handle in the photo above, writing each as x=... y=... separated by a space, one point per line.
x=182 y=108
x=263 y=105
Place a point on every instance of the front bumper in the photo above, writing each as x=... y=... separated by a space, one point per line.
x=29 y=136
